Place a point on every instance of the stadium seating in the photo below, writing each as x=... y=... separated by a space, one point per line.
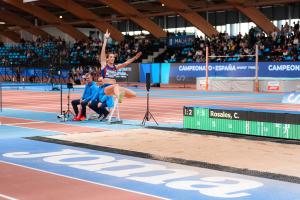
x=279 y=46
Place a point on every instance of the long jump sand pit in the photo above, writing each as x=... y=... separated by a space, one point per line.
x=262 y=156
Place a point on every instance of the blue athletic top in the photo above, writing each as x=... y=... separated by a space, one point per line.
x=109 y=72
x=109 y=101
x=101 y=97
x=99 y=94
x=89 y=91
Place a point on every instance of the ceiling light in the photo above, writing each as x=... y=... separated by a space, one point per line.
x=27 y=1
x=60 y=17
x=162 y=5
x=2 y=23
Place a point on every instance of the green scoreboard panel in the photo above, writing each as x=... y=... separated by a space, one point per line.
x=245 y=121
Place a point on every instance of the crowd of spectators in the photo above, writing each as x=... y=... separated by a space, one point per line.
x=87 y=52
x=81 y=53
x=78 y=58
x=280 y=45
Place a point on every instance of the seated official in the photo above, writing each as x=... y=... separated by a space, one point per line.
x=101 y=103
x=89 y=91
x=106 y=106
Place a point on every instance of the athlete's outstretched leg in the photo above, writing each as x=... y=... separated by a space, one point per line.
x=112 y=90
x=127 y=92
x=119 y=92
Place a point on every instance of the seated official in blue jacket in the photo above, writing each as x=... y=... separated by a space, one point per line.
x=106 y=106
x=89 y=91
x=101 y=103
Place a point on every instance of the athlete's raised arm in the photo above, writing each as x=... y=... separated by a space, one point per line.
x=131 y=60
x=103 y=54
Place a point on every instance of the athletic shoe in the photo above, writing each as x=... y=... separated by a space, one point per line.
x=100 y=117
x=104 y=118
x=76 y=118
x=82 y=118
x=120 y=97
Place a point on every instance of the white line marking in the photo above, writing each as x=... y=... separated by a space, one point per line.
x=24 y=123
x=128 y=116
x=78 y=179
x=18 y=109
x=44 y=130
x=7 y=197
x=49 y=122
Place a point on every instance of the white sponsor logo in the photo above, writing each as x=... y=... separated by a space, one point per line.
x=181 y=179
x=194 y=68
x=273 y=83
x=228 y=67
x=293 y=98
x=284 y=67
x=180 y=77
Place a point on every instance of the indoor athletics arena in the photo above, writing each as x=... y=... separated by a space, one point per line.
x=149 y=99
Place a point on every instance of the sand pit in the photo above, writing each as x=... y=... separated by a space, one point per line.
x=262 y=156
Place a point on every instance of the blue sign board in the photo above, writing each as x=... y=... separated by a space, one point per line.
x=238 y=69
x=188 y=72
x=279 y=69
x=181 y=41
x=193 y=70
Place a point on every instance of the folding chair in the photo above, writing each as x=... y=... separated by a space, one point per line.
x=90 y=114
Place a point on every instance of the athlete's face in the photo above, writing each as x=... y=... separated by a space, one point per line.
x=89 y=78
x=100 y=81
x=111 y=58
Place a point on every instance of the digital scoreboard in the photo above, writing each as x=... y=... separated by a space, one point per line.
x=267 y=123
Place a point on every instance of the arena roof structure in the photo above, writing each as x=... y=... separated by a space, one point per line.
x=67 y=15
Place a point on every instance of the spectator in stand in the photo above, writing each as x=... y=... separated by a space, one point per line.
x=277 y=46
x=281 y=45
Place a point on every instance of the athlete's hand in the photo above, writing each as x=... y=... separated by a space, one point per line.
x=138 y=55
x=107 y=34
x=99 y=105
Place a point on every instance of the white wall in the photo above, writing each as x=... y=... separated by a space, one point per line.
x=26 y=35
x=57 y=33
x=87 y=31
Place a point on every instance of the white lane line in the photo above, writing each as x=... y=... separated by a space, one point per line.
x=48 y=122
x=37 y=129
x=23 y=123
x=7 y=197
x=86 y=181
